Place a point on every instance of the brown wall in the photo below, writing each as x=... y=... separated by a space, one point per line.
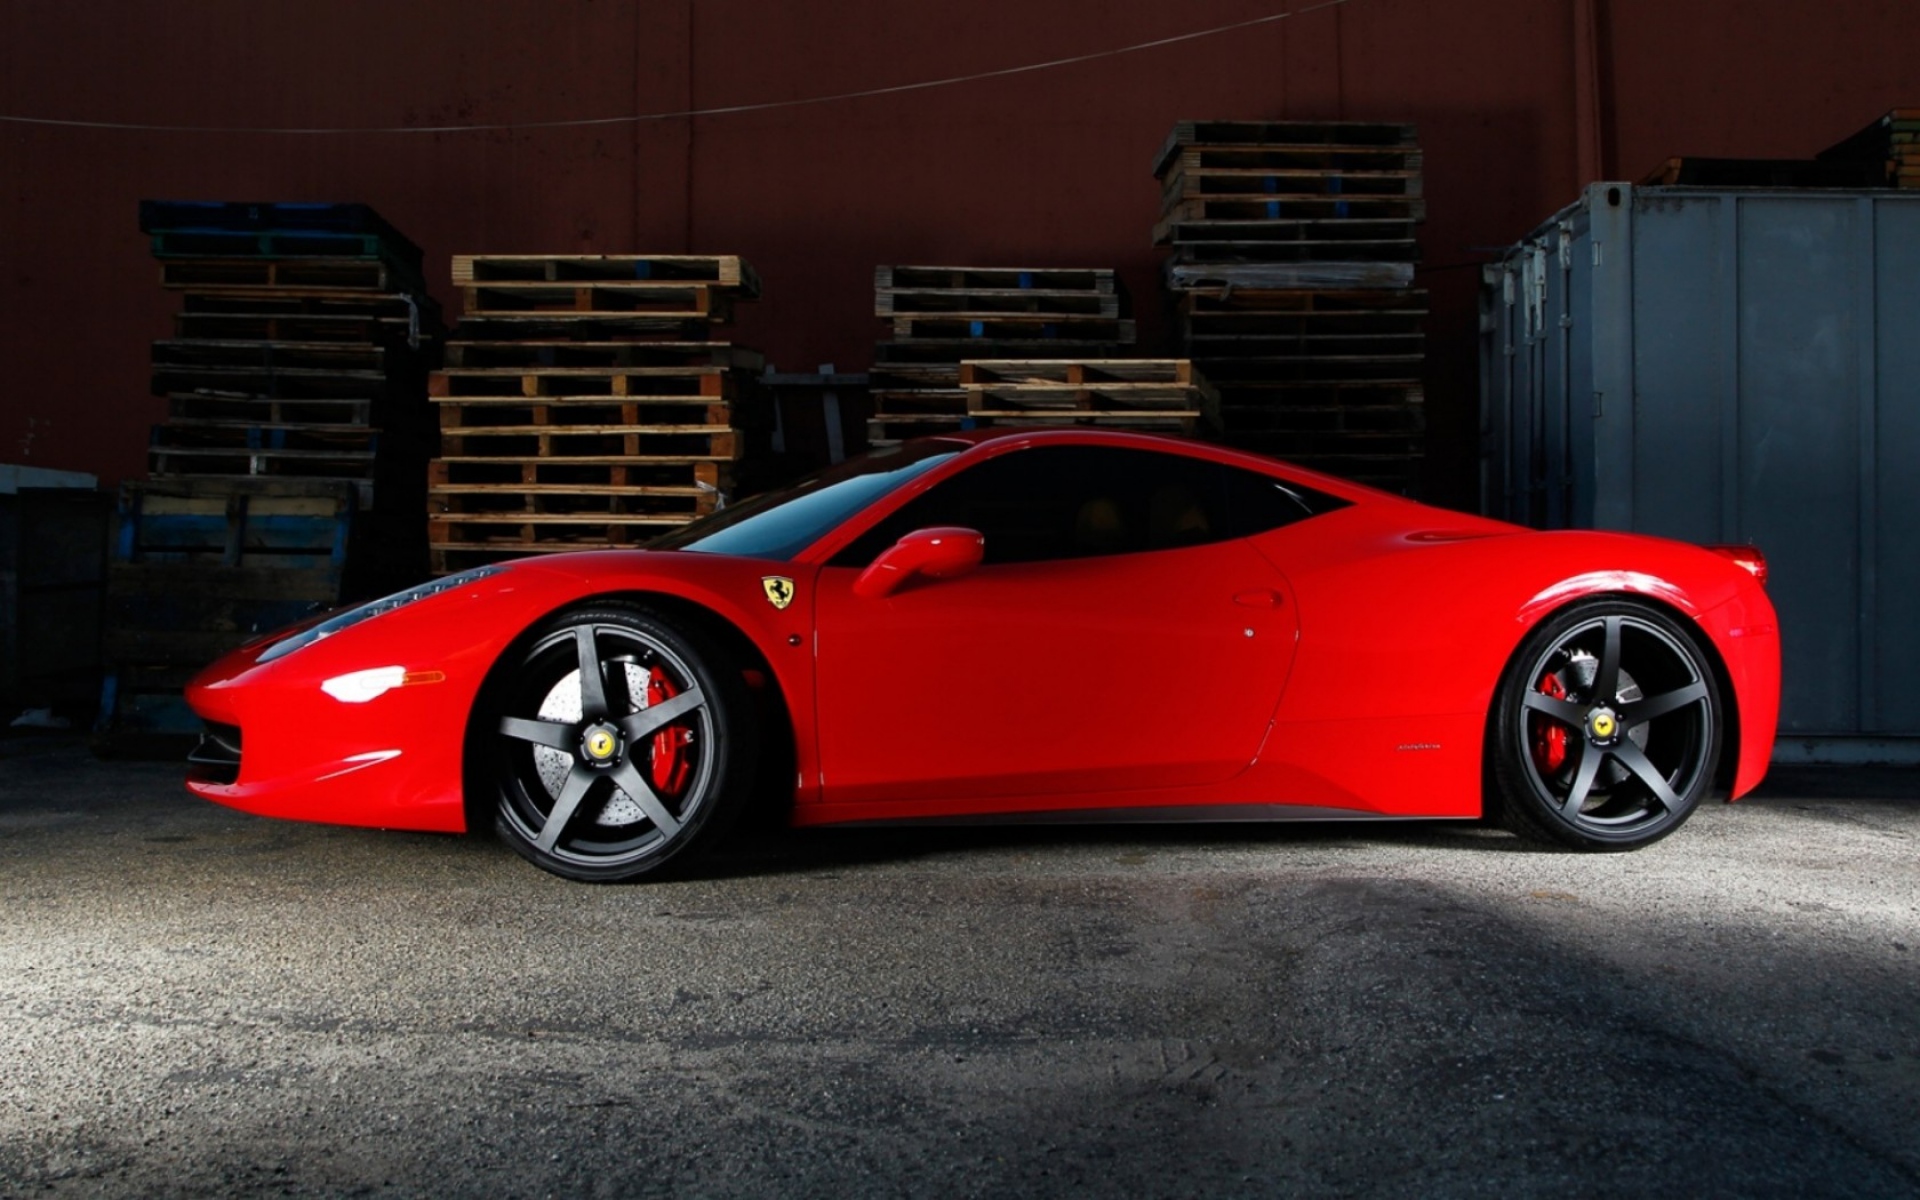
x=1042 y=168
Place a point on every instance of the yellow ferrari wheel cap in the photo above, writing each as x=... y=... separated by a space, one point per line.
x=1602 y=725
x=600 y=744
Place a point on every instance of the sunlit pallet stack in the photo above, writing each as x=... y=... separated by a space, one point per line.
x=586 y=404
x=1161 y=394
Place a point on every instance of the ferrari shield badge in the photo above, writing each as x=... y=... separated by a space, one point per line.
x=779 y=590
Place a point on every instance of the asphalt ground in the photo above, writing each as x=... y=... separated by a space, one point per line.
x=198 y=1002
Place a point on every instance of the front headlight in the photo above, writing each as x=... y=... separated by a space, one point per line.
x=371 y=609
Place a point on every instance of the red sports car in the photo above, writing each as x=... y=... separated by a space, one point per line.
x=1035 y=625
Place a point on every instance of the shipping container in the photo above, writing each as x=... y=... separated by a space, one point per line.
x=1733 y=366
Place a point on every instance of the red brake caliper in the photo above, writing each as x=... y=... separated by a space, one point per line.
x=670 y=765
x=1549 y=735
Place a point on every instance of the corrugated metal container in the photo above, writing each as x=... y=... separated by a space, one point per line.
x=1733 y=366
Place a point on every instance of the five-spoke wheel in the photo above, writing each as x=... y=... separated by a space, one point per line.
x=614 y=743
x=1607 y=728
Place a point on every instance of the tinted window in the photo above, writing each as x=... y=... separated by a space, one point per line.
x=1061 y=502
x=780 y=524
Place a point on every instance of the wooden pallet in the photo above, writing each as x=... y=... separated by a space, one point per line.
x=1097 y=280
x=1306 y=305
x=1335 y=231
x=209 y=464
x=190 y=434
x=1258 y=204
x=890 y=429
x=1303 y=347
x=1203 y=182
x=719 y=272
x=1118 y=386
x=267 y=381
x=544 y=353
x=663 y=302
x=634 y=382
x=537 y=531
x=542 y=501
x=1298 y=276
x=987 y=303
x=1234 y=249
x=279 y=243
x=566 y=325
x=299 y=274
x=349 y=357
x=907 y=357
x=671 y=443
x=292 y=327
x=413 y=312
x=1282 y=145
x=562 y=414
x=625 y=473
x=268 y=410
x=1056 y=329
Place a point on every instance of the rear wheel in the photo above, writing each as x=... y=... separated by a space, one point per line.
x=1607 y=730
x=615 y=744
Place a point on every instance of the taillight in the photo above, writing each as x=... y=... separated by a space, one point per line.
x=1747 y=558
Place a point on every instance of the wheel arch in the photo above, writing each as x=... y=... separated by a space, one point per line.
x=1537 y=615
x=776 y=712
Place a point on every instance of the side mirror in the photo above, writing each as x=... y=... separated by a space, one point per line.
x=938 y=553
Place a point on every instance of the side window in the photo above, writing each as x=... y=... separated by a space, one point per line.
x=1261 y=502
x=1059 y=502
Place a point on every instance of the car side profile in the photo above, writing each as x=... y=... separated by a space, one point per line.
x=1022 y=625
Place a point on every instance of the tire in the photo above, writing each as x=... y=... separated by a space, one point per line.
x=1582 y=762
x=635 y=788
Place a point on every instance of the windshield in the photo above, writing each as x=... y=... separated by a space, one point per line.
x=780 y=524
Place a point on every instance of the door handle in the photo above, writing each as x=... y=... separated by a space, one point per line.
x=1260 y=598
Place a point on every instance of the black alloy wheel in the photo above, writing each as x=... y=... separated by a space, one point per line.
x=1607 y=729
x=616 y=743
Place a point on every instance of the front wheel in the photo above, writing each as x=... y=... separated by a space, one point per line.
x=615 y=742
x=1607 y=728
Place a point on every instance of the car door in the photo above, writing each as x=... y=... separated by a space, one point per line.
x=1118 y=635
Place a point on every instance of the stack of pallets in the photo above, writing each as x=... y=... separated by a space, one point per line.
x=287 y=474
x=301 y=348
x=1291 y=271
x=1163 y=394
x=586 y=404
x=1891 y=143
x=943 y=315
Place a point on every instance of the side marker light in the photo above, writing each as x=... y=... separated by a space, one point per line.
x=358 y=687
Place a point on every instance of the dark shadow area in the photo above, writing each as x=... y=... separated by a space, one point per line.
x=1823 y=782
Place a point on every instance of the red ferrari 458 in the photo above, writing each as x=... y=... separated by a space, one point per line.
x=1038 y=625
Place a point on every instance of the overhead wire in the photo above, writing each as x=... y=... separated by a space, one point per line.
x=684 y=114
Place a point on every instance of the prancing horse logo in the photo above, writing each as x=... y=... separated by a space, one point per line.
x=779 y=590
